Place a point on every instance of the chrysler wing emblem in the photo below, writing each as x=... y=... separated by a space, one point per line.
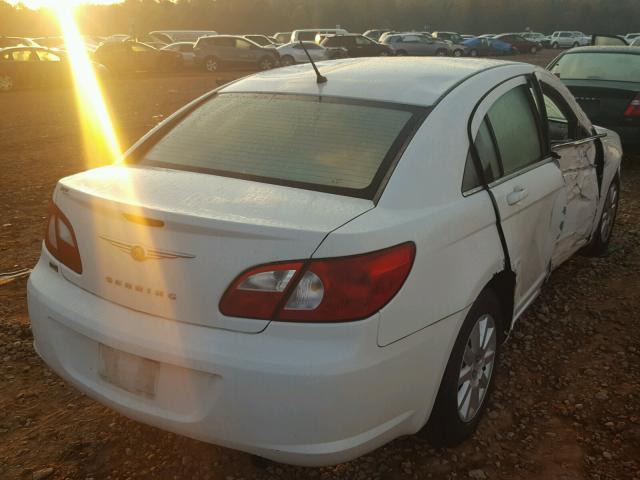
x=141 y=253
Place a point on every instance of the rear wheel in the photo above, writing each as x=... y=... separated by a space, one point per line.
x=555 y=45
x=533 y=50
x=384 y=53
x=602 y=236
x=266 y=63
x=211 y=64
x=457 y=53
x=287 y=61
x=6 y=82
x=401 y=53
x=576 y=44
x=468 y=378
x=473 y=53
x=441 y=53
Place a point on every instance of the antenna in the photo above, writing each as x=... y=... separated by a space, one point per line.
x=319 y=77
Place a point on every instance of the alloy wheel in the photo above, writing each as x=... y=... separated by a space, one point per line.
x=609 y=213
x=476 y=368
x=6 y=83
x=211 y=65
x=265 y=64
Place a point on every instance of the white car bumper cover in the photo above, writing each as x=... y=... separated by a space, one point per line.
x=295 y=393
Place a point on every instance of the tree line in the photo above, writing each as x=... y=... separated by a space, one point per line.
x=269 y=16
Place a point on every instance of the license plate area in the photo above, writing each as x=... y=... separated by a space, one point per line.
x=129 y=372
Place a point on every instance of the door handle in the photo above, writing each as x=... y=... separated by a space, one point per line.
x=519 y=193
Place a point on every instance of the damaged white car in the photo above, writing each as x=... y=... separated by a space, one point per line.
x=306 y=270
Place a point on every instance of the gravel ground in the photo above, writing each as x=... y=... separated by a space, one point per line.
x=567 y=398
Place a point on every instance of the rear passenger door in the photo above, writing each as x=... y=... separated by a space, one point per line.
x=524 y=180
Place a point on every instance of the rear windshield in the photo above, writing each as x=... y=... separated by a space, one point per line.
x=334 y=145
x=617 y=67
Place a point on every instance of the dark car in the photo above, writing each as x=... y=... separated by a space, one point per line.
x=606 y=84
x=357 y=45
x=33 y=67
x=130 y=56
x=232 y=51
x=519 y=43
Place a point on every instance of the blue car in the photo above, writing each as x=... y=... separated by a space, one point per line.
x=476 y=47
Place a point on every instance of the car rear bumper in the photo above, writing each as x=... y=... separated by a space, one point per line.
x=299 y=394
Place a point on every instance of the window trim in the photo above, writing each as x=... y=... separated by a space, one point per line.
x=372 y=192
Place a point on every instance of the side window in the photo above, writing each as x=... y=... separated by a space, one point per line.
x=488 y=158
x=239 y=43
x=138 y=47
x=515 y=129
x=24 y=56
x=363 y=41
x=48 y=56
x=563 y=124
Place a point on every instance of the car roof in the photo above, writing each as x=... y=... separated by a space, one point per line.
x=605 y=49
x=423 y=80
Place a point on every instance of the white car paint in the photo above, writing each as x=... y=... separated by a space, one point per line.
x=309 y=394
x=297 y=53
x=567 y=39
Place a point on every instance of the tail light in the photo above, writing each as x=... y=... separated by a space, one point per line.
x=633 y=110
x=60 y=239
x=340 y=289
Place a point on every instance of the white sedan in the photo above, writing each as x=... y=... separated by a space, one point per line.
x=306 y=271
x=292 y=53
x=186 y=51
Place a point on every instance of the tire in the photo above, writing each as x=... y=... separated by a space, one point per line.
x=576 y=44
x=452 y=421
x=211 y=64
x=457 y=53
x=441 y=53
x=602 y=236
x=473 y=53
x=384 y=54
x=287 y=61
x=555 y=45
x=266 y=63
x=6 y=82
x=401 y=53
x=533 y=50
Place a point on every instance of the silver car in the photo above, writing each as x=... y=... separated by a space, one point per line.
x=417 y=45
x=185 y=49
x=292 y=53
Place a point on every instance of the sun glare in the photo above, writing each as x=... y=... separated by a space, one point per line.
x=100 y=140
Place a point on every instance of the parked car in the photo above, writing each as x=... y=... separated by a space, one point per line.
x=539 y=38
x=262 y=40
x=487 y=35
x=130 y=56
x=7 y=42
x=34 y=67
x=313 y=272
x=292 y=53
x=606 y=84
x=173 y=36
x=520 y=44
x=186 y=51
x=233 y=51
x=467 y=36
x=481 y=47
x=282 y=37
x=636 y=42
x=357 y=45
x=454 y=39
x=310 y=34
x=403 y=44
x=565 y=39
x=375 y=34
x=630 y=37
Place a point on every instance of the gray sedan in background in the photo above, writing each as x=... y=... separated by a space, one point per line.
x=186 y=50
x=416 y=44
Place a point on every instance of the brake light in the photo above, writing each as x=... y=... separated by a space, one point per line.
x=60 y=239
x=325 y=290
x=633 y=110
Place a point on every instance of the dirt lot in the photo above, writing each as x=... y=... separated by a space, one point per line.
x=566 y=406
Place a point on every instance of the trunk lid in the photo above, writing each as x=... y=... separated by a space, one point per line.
x=604 y=102
x=169 y=242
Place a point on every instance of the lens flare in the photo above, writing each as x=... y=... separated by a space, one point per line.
x=100 y=139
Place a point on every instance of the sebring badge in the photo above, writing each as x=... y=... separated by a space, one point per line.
x=141 y=253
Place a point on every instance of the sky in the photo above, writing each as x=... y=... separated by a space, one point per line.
x=47 y=3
